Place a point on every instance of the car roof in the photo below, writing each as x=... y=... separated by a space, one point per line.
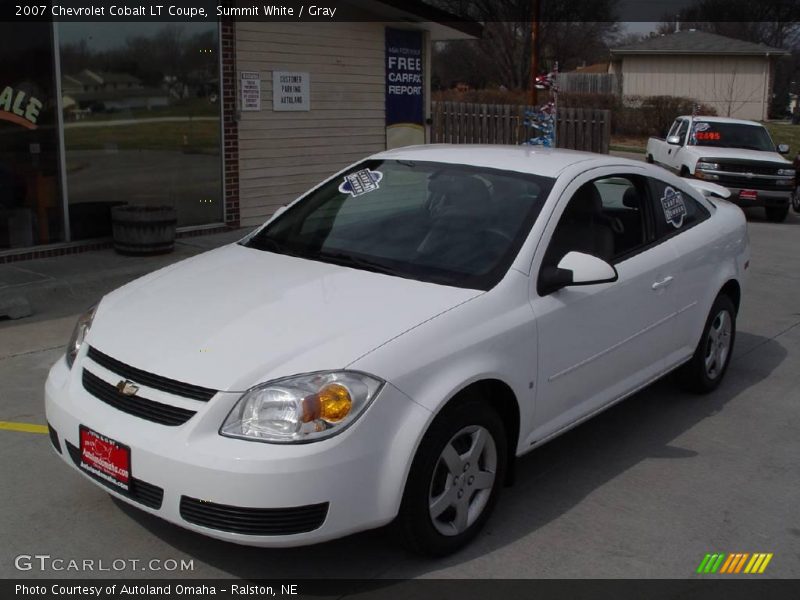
x=721 y=120
x=535 y=160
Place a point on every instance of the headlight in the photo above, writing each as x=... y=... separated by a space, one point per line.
x=79 y=334
x=786 y=172
x=707 y=166
x=303 y=408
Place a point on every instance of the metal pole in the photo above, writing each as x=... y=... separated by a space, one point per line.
x=62 y=159
x=534 y=50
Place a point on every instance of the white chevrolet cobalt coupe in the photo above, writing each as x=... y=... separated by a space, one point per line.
x=383 y=349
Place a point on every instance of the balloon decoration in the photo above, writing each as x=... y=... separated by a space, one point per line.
x=542 y=120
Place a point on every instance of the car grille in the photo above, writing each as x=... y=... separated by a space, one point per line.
x=140 y=491
x=755 y=168
x=178 y=388
x=135 y=405
x=254 y=521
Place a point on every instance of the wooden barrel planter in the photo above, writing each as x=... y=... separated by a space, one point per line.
x=143 y=230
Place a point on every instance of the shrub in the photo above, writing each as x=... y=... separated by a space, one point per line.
x=637 y=115
x=485 y=96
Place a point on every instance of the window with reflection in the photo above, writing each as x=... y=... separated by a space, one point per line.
x=141 y=106
x=31 y=210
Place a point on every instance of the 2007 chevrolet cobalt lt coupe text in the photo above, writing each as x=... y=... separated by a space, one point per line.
x=385 y=347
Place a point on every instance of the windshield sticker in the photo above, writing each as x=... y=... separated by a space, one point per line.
x=701 y=126
x=674 y=207
x=361 y=182
x=708 y=135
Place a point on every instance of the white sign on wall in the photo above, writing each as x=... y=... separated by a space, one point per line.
x=250 y=89
x=291 y=90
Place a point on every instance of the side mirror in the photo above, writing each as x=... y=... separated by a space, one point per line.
x=576 y=268
x=783 y=148
x=674 y=140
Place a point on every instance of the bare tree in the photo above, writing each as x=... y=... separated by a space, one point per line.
x=570 y=33
x=729 y=91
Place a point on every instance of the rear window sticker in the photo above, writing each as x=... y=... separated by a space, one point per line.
x=674 y=207
x=361 y=182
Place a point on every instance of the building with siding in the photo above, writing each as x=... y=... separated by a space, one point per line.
x=733 y=76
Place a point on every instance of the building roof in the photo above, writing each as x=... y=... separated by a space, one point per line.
x=601 y=67
x=442 y=24
x=697 y=42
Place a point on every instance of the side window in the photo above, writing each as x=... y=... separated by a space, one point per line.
x=674 y=209
x=683 y=129
x=674 y=129
x=606 y=217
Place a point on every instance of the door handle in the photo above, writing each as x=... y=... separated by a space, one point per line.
x=663 y=283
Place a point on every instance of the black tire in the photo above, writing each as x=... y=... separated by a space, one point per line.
x=415 y=525
x=796 y=200
x=649 y=159
x=696 y=375
x=777 y=214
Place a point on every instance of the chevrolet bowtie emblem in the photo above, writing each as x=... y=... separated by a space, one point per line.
x=127 y=388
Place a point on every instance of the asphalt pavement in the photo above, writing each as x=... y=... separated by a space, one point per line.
x=645 y=490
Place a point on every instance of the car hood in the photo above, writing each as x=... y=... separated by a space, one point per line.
x=736 y=153
x=234 y=317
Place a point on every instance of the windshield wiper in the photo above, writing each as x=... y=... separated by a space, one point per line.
x=348 y=260
x=272 y=245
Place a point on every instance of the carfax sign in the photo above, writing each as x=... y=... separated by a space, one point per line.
x=405 y=87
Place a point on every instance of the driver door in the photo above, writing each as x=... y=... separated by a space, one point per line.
x=600 y=342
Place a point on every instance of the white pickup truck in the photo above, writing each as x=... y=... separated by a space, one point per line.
x=736 y=154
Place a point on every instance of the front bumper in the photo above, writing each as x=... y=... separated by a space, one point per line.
x=766 y=198
x=347 y=483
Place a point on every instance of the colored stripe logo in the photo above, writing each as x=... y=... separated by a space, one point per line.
x=737 y=562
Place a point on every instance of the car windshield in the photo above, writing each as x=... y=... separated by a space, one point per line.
x=451 y=224
x=731 y=135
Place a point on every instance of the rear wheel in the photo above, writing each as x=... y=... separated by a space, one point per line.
x=454 y=479
x=704 y=372
x=777 y=214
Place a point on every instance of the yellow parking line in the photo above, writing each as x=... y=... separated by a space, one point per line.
x=25 y=427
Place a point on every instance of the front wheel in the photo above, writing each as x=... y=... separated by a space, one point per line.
x=454 y=479
x=704 y=372
x=777 y=214
x=796 y=200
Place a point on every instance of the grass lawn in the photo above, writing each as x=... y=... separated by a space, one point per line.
x=628 y=143
x=193 y=107
x=786 y=133
x=182 y=135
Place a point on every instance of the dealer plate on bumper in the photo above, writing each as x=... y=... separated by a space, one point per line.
x=105 y=458
x=749 y=195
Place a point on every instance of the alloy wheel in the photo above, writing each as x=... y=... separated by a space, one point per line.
x=462 y=480
x=718 y=344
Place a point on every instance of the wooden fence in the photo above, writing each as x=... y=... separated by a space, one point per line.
x=469 y=123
